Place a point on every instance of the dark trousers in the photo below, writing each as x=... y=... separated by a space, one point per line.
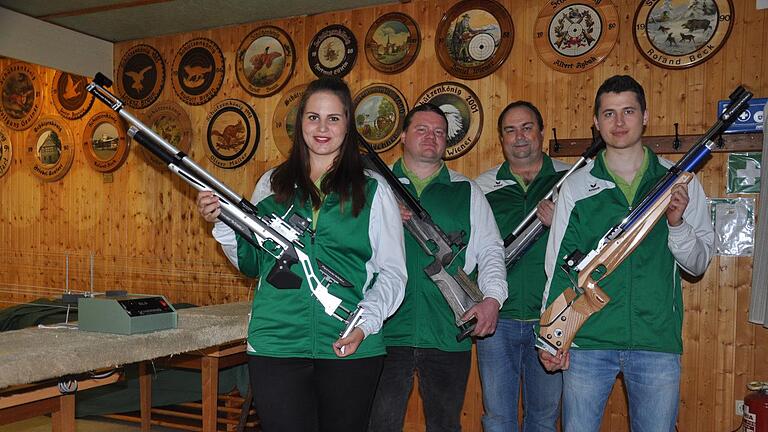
x=312 y=395
x=442 y=384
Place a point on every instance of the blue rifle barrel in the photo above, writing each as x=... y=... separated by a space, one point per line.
x=693 y=158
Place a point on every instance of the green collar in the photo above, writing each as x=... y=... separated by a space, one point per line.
x=419 y=184
x=629 y=189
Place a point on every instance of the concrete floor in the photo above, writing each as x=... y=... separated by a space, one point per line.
x=43 y=424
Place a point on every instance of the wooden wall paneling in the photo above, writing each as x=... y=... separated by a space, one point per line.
x=745 y=368
x=726 y=334
x=146 y=217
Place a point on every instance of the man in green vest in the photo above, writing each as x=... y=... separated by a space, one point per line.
x=514 y=188
x=421 y=336
x=639 y=332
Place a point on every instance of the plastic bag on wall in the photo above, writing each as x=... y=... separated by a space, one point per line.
x=734 y=222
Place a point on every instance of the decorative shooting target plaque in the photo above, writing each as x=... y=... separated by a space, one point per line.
x=463 y=111
x=50 y=145
x=232 y=133
x=474 y=38
x=265 y=61
x=284 y=119
x=69 y=96
x=380 y=111
x=172 y=123
x=333 y=51
x=392 y=43
x=677 y=34
x=6 y=152
x=21 y=96
x=140 y=76
x=104 y=142
x=576 y=35
x=198 y=71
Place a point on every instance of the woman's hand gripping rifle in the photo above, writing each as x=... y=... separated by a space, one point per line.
x=459 y=290
x=274 y=234
x=564 y=317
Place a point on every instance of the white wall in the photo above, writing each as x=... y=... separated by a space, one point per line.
x=35 y=41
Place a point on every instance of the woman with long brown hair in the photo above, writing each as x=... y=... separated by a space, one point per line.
x=304 y=377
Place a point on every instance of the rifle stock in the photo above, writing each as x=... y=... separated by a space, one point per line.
x=563 y=318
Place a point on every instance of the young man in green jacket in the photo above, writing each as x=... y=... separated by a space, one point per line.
x=638 y=333
x=421 y=336
x=515 y=188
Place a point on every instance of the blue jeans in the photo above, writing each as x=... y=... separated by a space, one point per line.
x=505 y=358
x=442 y=384
x=652 y=380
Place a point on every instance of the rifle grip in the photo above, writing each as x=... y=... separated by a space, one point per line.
x=466 y=329
x=281 y=275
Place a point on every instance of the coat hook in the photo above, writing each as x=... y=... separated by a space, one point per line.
x=554 y=136
x=676 y=143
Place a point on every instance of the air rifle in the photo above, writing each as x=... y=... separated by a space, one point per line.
x=564 y=317
x=459 y=290
x=531 y=228
x=274 y=234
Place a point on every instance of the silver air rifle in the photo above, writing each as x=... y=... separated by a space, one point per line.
x=273 y=234
x=459 y=290
x=564 y=317
x=531 y=228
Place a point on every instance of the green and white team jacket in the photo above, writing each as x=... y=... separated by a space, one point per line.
x=510 y=204
x=646 y=307
x=366 y=250
x=455 y=203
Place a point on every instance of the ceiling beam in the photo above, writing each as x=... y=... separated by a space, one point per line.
x=104 y=8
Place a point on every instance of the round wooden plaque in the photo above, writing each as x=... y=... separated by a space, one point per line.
x=265 y=61
x=284 y=119
x=140 y=76
x=232 y=134
x=198 y=71
x=392 y=43
x=464 y=112
x=678 y=35
x=104 y=141
x=380 y=110
x=576 y=35
x=69 y=96
x=49 y=142
x=474 y=38
x=333 y=51
x=22 y=99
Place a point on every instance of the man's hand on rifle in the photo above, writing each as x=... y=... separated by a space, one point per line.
x=349 y=343
x=405 y=212
x=544 y=211
x=677 y=204
x=487 y=314
x=208 y=205
x=555 y=362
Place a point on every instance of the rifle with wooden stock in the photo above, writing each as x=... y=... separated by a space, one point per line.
x=564 y=317
x=459 y=290
x=520 y=240
x=275 y=235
